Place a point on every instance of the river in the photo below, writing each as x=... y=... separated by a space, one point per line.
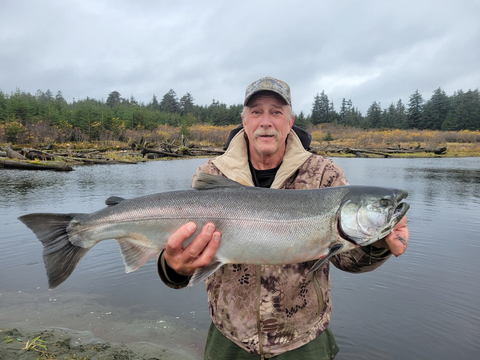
x=424 y=304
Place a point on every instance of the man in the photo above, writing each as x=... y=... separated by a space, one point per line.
x=269 y=310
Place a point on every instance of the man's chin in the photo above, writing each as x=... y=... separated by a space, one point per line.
x=266 y=150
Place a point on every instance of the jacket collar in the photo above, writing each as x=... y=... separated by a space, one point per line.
x=234 y=162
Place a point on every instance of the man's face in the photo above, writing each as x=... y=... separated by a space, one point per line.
x=267 y=121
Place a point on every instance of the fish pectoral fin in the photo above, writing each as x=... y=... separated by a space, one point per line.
x=204 y=272
x=332 y=251
x=134 y=254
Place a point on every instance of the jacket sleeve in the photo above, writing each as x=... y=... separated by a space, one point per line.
x=166 y=273
x=362 y=259
x=169 y=276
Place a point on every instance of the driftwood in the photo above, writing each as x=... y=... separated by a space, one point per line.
x=98 y=161
x=12 y=154
x=33 y=154
x=381 y=152
x=205 y=152
x=25 y=165
x=159 y=152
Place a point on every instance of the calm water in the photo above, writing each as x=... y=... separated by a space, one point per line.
x=422 y=305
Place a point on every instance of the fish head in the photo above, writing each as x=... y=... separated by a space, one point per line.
x=368 y=214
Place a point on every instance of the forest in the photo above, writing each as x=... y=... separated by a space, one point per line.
x=46 y=117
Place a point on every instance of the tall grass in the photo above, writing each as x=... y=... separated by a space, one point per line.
x=353 y=137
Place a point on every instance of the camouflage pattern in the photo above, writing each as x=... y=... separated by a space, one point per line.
x=269 y=84
x=271 y=309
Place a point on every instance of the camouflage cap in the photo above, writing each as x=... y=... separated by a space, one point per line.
x=268 y=84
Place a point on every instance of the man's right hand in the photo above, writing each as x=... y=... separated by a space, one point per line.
x=197 y=254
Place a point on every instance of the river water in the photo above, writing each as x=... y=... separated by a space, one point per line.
x=422 y=305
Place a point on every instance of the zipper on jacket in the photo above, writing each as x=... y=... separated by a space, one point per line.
x=259 y=322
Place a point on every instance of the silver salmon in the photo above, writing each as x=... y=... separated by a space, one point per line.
x=259 y=226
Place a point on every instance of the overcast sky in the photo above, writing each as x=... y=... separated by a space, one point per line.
x=360 y=50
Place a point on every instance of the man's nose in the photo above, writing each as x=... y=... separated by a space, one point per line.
x=265 y=119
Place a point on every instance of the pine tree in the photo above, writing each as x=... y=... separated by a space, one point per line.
x=414 y=113
x=169 y=102
x=320 y=109
x=436 y=110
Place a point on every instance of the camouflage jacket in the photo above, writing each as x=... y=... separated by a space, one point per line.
x=271 y=309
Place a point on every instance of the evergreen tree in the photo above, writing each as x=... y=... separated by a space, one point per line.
x=301 y=121
x=465 y=111
x=320 y=109
x=436 y=110
x=169 y=103
x=113 y=99
x=415 y=111
x=400 y=115
x=154 y=105
x=3 y=107
x=345 y=111
x=186 y=104
x=21 y=106
x=374 y=114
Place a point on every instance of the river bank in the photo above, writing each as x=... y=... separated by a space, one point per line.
x=65 y=159
x=25 y=343
x=39 y=326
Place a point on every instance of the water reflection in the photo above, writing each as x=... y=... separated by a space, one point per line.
x=421 y=305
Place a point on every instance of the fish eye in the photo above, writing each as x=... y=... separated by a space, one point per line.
x=385 y=202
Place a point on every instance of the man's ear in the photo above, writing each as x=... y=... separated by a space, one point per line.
x=292 y=121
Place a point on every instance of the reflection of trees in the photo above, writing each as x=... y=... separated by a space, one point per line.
x=15 y=187
x=449 y=184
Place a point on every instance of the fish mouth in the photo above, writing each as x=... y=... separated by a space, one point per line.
x=399 y=212
x=401 y=208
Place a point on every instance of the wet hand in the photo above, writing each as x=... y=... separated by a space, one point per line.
x=198 y=254
x=397 y=240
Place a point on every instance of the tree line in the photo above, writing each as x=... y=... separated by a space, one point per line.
x=90 y=118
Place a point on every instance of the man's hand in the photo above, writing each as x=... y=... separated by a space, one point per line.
x=397 y=240
x=198 y=254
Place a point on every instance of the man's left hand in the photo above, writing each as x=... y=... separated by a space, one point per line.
x=397 y=240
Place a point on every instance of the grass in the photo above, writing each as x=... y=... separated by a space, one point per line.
x=458 y=143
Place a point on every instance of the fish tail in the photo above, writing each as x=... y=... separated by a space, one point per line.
x=59 y=254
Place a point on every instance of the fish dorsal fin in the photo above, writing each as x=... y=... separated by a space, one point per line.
x=113 y=200
x=206 y=181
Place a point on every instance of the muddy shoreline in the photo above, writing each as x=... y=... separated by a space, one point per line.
x=27 y=343
x=79 y=327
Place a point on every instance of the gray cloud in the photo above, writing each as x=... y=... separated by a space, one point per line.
x=364 y=51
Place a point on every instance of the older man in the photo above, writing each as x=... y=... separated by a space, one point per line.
x=270 y=310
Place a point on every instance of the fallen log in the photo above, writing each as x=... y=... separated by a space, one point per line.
x=381 y=152
x=99 y=161
x=160 y=152
x=12 y=154
x=33 y=154
x=205 y=152
x=25 y=165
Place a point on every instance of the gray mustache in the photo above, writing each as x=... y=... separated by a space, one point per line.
x=261 y=132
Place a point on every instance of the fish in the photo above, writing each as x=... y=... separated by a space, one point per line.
x=258 y=225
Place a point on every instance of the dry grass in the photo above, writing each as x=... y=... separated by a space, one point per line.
x=458 y=143
x=461 y=142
